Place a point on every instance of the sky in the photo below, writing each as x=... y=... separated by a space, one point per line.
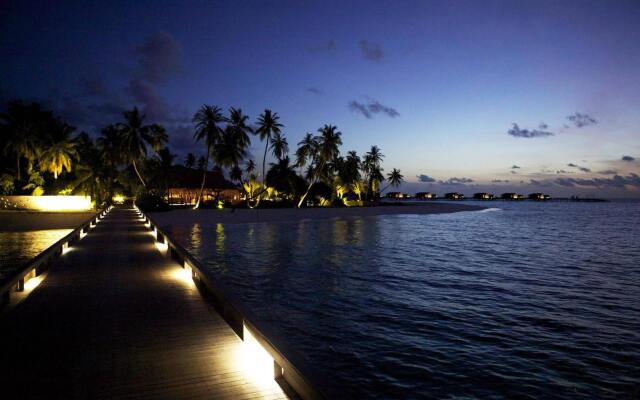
x=467 y=96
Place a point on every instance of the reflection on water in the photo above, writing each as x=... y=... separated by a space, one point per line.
x=195 y=235
x=534 y=300
x=16 y=248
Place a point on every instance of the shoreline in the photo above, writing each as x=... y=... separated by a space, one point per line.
x=21 y=221
x=283 y=215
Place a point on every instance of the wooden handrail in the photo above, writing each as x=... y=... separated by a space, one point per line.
x=16 y=280
x=241 y=319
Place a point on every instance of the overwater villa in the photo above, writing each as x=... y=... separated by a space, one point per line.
x=184 y=187
x=398 y=195
x=426 y=196
x=539 y=196
x=512 y=196
x=483 y=196
x=454 y=196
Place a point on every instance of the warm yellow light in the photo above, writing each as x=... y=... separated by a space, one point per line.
x=257 y=362
x=33 y=283
x=82 y=234
x=118 y=199
x=162 y=247
x=183 y=275
x=65 y=248
x=52 y=203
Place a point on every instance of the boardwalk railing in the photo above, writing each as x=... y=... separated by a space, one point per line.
x=21 y=279
x=240 y=320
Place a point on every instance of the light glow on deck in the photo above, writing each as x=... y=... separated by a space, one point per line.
x=65 y=248
x=162 y=247
x=33 y=283
x=256 y=361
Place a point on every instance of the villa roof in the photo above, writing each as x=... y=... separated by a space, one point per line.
x=183 y=177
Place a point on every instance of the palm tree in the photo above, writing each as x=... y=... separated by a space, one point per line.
x=268 y=126
x=93 y=175
x=282 y=177
x=190 y=160
x=395 y=178
x=59 y=153
x=21 y=128
x=231 y=149
x=307 y=148
x=236 y=174
x=327 y=146
x=109 y=146
x=208 y=129
x=349 y=171
x=164 y=160
x=279 y=146
x=202 y=163
x=250 y=167
x=373 y=169
x=136 y=137
x=238 y=124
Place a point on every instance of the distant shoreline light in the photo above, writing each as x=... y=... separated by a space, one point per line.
x=49 y=203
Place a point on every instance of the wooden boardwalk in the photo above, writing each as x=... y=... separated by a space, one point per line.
x=114 y=319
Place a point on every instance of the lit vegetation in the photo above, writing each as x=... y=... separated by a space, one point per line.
x=42 y=154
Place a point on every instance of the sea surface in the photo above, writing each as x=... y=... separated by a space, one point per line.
x=17 y=248
x=521 y=300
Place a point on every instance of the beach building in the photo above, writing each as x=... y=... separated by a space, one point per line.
x=426 y=196
x=184 y=186
x=511 y=196
x=398 y=195
x=454 y=196
x=483 y=196
x=539 y=196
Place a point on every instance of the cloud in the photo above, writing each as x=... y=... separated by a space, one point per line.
x=456 y=181
x=516 y=131
x=618 y=181
x=583 y=169
x=372 y=107
x=581 y=120
x=356 y=106
x=371 y=51
x=425 y=179
x=562 y=171
x=159 y=57
x=515 y=167
x=608 y=172
x=514 y=172
x=628 y=158
x=315 y=91
x=500 y=181
x=145 y=93
x=322 y=47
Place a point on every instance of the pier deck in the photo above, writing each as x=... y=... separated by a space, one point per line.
x=115 y=319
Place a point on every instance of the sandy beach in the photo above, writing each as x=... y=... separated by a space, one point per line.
x=241 y=216
x=17 y=221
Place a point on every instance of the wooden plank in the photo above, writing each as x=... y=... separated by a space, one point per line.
x=113 y=320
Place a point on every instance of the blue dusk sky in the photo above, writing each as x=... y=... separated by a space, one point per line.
x=461 y=96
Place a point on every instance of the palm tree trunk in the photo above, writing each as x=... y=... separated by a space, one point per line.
x=309 y=188
x=204 y=177
x=304 y=196
x=135 y=167
x=264 y=162
x=18 y=165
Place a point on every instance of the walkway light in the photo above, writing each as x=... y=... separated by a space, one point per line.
x=256 y=359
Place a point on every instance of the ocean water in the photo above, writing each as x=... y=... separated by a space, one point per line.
x=17 y=248
x=524 y=300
